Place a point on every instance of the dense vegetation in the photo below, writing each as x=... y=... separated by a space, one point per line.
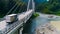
x=50 y=7
x=7 y=5
x=35 y=15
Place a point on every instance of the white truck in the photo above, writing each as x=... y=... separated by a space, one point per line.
x=11 y=18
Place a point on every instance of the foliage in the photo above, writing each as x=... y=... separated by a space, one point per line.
x=50 y=7
x=35 y=15
x=6 y=5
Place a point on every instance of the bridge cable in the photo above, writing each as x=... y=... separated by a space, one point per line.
x=16 y=8
x=12 y=8
x=28 y=5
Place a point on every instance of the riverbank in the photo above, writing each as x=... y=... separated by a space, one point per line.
x=52 y=27
x=31 y=24
x=35 y=15
x=49 y=28
x=56 y=24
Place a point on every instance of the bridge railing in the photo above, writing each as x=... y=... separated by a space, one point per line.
x=24 y=17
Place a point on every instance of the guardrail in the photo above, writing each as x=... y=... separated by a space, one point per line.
x=14 y=26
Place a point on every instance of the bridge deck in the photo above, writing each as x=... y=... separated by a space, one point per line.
x=6 y=28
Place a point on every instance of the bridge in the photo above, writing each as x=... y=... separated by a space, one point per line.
x=6 y=28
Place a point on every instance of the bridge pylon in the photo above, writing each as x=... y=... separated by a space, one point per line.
x=31 y=5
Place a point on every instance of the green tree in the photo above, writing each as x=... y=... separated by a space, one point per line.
x=50 y=7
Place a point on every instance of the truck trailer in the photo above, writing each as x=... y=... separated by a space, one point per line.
x=11 y=18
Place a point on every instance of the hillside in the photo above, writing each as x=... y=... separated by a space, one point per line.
x=50 y=7
x=43 y=6
x=7 y=5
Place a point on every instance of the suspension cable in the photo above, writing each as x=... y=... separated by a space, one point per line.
x=28 y=5
x=16 y=8
x=12 y=8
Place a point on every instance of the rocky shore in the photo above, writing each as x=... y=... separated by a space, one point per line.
x=46 y=29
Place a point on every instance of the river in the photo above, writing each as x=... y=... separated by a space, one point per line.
x=31 y=25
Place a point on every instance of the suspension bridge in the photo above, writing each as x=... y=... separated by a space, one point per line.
x=6 y=28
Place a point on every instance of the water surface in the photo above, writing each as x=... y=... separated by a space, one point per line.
x=34 y=23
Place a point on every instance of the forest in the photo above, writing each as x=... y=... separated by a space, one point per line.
x=49 y=7
x=18 y=6
x=11 y=6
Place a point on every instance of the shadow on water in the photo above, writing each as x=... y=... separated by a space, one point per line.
x=27 y=27
x=32 y=24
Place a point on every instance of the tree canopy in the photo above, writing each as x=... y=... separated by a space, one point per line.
x=50 y=7
x=6 y=5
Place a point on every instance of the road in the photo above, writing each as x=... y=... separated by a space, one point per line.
x=6 y=27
